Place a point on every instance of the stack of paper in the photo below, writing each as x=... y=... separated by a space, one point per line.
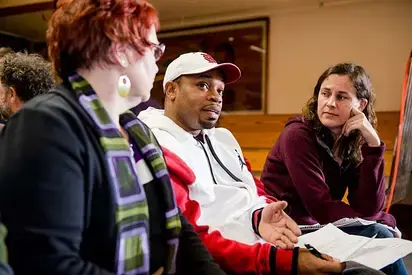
x=345 y=222
x=375 y=253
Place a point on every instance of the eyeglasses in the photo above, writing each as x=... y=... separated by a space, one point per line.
x=158 y=50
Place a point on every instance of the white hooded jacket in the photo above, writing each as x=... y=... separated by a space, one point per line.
x=224 y=188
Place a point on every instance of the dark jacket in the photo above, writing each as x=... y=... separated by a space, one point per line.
x=144 y=105
x=57 y=204
x=301 y=170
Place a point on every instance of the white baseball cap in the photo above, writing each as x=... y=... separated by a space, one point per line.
x=197 y=63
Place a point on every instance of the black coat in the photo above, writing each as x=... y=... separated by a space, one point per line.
x=57 y=204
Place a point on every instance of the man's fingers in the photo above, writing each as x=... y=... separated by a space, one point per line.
x=285 y=240
x=290 y=235
x=293 y=226
x=281 y=244
x=284 y=243
x=278 y=205
x=329 y=258
x=275 y=238
x=159 y=271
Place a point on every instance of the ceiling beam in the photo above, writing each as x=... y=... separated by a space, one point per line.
x=28 y=8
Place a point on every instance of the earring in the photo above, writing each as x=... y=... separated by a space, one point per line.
x=123 y=86
x=123 y=62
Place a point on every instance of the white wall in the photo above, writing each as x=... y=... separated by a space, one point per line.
x=302 y=46
x=304 y=42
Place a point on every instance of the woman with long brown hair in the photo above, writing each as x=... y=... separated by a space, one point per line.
x=333 y=147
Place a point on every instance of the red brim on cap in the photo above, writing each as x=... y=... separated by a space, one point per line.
x=231 y=72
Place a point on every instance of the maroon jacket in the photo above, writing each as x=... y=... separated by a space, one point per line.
x=301 y=170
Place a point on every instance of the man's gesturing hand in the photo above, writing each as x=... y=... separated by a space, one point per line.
x=277 y=228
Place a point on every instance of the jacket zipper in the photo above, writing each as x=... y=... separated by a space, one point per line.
x=208 y=160
x=342 y=168
x=218 y=160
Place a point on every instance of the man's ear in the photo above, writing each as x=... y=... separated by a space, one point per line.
x=14 y=100
x=171 y=90
x=12 y=95
x=363 y=104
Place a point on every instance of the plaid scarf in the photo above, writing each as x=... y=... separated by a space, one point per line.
x=132 y=212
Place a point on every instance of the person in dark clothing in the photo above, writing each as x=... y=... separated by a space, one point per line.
x=3 y=52
x=333 y=146
x=4 y=268
x=84 y=188
x=144 y=105
x=22 y=77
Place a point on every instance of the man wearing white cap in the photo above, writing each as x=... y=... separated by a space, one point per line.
x=245 y=232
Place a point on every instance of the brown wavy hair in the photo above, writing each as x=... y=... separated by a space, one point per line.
x=83 y=33
x=349 y=148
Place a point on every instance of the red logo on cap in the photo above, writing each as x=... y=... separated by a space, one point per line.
x=208 y=58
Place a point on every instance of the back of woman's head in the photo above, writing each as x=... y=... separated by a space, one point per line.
x=363 y=87
x=85 y=33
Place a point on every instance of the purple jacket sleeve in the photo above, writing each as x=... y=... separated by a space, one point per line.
x=305 y=170
x=371 y=182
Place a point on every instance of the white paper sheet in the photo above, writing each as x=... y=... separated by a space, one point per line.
x=375 y=253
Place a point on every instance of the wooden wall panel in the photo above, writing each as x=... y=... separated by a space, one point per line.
x=257 y=134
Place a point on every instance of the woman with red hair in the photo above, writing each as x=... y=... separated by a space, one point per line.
x=84 y=188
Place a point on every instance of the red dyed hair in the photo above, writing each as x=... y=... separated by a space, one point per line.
x=82 y=33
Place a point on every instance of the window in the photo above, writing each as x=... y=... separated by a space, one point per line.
x=243 y=43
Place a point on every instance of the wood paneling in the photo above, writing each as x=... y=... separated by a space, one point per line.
x=257 y=134
x=262 y=131
x=257 y=158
